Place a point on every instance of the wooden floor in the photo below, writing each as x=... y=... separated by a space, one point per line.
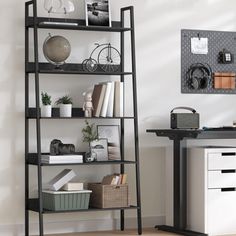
x=146 y=232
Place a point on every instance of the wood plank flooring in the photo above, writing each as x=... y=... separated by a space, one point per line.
x=146 y=232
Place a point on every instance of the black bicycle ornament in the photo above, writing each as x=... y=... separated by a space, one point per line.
x=108 y=59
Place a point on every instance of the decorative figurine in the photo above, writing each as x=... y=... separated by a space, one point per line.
x=88 y=105
x=59 y=148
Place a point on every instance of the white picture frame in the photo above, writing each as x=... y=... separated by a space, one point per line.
x=112 y=134
x=100 y=147
x=98 y=13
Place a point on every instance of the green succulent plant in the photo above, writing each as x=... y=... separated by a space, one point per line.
x=64 y=100
x=89 y=132
x=46 y=99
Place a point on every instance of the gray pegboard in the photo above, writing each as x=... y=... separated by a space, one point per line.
x=217 y=41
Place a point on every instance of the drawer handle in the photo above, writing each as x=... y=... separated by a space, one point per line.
x=228 y=154
x=228 y=189
x=228 y=171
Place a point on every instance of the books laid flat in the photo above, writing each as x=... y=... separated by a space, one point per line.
x=73 y=186
x=119 y=99
x=97 y=98
x=110 y=106
x=106 y=100
x=58 y=23
x=62 y=159
x=60 y=180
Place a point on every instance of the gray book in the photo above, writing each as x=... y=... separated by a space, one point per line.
x=61 y=179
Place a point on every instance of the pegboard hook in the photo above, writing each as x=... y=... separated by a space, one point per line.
x=198 y=35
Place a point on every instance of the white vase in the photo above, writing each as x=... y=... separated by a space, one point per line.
x=46 y=111
x=65 y=110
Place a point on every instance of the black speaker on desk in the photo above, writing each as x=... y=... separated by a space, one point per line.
x=184 y=120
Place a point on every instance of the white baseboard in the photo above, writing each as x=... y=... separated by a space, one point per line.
x=80 y=226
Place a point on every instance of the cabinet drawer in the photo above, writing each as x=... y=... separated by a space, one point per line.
x=222 y=161
x=221 y=212
x=221 y=179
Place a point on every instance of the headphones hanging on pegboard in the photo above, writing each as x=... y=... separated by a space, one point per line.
x=199 y=75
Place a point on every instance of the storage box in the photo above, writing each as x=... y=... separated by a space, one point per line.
x=62 y=200
x=108 y=196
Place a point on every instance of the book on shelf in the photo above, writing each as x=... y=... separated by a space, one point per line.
x=110 y=107
x=119 y=99
x=61 y=159
x=115 y=179
x=73 y=186
x=106 y=100
x=124 y=179
x=97 y=98
x=60 y=180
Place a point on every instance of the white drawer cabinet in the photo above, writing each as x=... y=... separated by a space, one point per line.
x=212 y=190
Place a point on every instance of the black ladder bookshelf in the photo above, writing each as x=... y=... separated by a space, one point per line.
x=37 y=68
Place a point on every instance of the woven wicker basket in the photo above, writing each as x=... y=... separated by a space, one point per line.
x=108 y=196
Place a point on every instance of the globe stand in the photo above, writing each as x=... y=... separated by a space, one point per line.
x=58 y=67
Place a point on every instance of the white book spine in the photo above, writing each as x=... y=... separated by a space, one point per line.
x=62 y=158
x=110 y=107
x=106 y=100
x=119 y=99
x=61 y=162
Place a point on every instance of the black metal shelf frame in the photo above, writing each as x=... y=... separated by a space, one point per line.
x=116 y=25
x=33 y=160
x=34 y=113
x=77 y=113
x=34 y=206
x=70 y=69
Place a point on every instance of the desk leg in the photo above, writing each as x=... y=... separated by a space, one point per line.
x=180 y=191
x=180 y=184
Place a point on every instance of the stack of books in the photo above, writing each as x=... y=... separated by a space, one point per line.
x=62 y=159
x=64 y=181
x=60 y=180
x=108 y=99
x=115 y=179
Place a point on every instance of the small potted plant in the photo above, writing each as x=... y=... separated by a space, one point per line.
x=89 y=135
x=65 y=104
x=46 y=108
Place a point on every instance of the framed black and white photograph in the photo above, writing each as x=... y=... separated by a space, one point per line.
x=100 y=148
x=98 y=13
x=112 y=134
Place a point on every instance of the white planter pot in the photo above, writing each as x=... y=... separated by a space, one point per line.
x=65 y=110
x=46 y=111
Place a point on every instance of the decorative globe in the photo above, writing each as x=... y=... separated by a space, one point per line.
x=56 y=49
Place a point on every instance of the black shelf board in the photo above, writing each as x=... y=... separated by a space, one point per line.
x=69 y=68
x=116 y=25
x=33 y=206
x=77 y=113
x=33 y=160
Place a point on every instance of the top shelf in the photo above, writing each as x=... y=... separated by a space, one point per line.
x=116 y=25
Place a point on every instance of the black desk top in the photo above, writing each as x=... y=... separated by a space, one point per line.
x=195 y=133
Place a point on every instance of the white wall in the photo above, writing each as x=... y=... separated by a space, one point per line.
x=158 y=25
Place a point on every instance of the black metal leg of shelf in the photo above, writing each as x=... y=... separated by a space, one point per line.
x=26 y=123
x=41 y=224
x=140 y=231
x=122 y=167
x=122 y=220
x=138 y=191
x=26 y=200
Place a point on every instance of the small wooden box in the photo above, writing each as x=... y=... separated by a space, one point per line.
x=108 y=196
x=224 y=80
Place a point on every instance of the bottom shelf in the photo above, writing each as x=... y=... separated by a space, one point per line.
x=33 y=205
